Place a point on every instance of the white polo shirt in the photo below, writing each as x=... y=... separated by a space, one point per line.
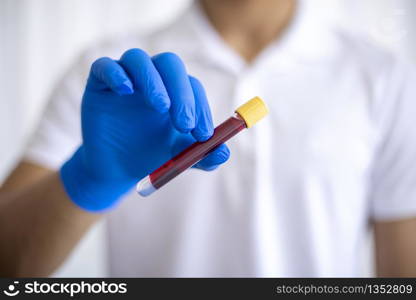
x=296 y=198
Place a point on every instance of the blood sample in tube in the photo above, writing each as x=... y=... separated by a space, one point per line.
x=245 y=116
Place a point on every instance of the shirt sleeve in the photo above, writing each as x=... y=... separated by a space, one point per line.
x=393 y=178
x=58 y=132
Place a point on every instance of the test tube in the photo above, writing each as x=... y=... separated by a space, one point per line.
x=245 y=116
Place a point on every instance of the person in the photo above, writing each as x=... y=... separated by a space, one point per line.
x=300 y=191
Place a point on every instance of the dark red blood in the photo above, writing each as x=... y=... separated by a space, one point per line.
x=196 y=152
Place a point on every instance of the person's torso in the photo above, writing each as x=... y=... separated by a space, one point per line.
x=291 y=201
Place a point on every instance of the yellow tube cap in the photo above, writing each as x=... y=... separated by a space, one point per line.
x=252 y=111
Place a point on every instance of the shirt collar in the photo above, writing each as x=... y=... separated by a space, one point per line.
x=306 y=39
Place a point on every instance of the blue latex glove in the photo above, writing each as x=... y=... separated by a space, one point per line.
x=136 y=114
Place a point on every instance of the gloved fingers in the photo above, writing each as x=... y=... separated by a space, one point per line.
x=217 y=157
x=182 y=141
x=106 y=74
x=204 y=127
x=146 y=79
x=174 y=76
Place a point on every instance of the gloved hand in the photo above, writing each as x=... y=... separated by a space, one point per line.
x=136 y=114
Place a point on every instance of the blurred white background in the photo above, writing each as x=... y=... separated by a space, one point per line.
x=39 y=39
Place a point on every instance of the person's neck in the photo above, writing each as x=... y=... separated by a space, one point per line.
x=248 y=26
